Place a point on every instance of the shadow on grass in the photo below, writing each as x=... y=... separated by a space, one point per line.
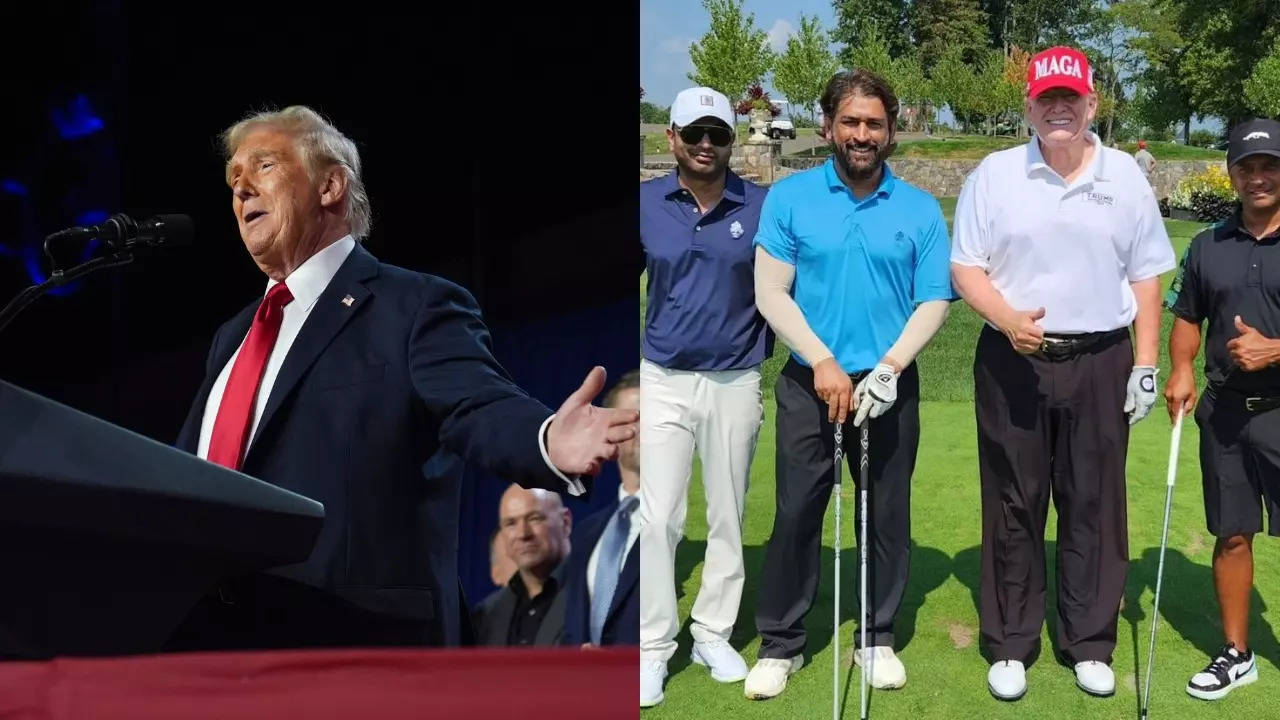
x=1188 y=607
x=968 y=570
x=929 y=568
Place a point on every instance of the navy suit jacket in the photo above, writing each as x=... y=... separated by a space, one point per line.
x=622 y=624
x=369 y=392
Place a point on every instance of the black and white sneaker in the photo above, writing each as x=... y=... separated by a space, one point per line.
x=1228 y=671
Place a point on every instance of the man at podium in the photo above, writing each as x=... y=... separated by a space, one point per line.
x=340 y=383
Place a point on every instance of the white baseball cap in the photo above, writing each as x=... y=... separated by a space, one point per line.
x=699 y=102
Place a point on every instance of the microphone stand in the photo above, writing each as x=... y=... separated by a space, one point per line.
x=121 y=256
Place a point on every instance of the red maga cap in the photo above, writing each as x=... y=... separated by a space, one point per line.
x=1059 y=67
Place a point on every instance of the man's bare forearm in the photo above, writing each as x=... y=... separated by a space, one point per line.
x=1146 y=326
x=975 y=287
x=1184 y=344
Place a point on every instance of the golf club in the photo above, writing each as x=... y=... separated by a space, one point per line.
x=1164 y=542
x=835 y=627
x=862 y=551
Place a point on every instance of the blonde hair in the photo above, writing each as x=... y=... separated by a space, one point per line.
x=321 y=145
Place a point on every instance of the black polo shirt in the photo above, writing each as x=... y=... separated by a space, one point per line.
x=529 y=612
x=1225 y=272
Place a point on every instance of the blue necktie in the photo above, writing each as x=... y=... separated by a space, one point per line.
x=609 y=565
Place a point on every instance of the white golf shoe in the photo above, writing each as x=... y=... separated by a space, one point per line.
x=886 y=671
x=725 y=664
x=652 y=673
x=769 y=677
x=1095 y=678
x=1007 y=680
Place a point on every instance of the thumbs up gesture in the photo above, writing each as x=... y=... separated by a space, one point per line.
x=1251 y=350
x=1023 y=330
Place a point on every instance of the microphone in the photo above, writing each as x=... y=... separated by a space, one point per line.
x=121 y=232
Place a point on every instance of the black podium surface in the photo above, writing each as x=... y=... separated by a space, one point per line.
x=107 y=537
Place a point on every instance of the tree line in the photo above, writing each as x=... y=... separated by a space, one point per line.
x=1157 y=63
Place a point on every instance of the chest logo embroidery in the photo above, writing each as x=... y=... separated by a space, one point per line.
x=1100 y=198
x=736 y=229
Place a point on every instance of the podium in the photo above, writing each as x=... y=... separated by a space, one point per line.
x=108 y=538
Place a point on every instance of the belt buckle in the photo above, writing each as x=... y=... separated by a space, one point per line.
x=1249 y=403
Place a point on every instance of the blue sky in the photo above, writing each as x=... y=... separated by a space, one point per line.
x=668 y=27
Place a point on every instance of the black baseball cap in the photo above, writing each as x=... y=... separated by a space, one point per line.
x=1253 y=137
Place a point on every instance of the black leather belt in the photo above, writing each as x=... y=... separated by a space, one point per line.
x=1056 y=347
x=1252 y=403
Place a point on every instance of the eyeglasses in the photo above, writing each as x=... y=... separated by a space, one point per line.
x=692 y=135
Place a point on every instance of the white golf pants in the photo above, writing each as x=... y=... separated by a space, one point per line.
x=719 y=414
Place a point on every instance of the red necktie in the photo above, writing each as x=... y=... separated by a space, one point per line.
x=235 y=414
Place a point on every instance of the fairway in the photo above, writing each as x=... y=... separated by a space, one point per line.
x=937 y=626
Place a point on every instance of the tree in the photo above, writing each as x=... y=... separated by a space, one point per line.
x=953 y=84
x=734 y=54
x=856 y=20
x=1036 y=24
x=912 y=88
x=1013 y=84
x=873 y=55
x=941 y=26
x=1262 y=89
x=803 y=71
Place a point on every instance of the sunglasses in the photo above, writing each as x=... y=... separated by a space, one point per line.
x=692 y=135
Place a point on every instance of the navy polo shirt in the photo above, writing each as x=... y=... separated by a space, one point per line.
x=1225 y=272
x=862 y=265
x=701 y=312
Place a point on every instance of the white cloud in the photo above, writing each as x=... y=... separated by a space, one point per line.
x=779 y=33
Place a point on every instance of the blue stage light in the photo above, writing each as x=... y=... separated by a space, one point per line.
x=77 y=119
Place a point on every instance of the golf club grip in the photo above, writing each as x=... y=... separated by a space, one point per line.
x=1173 y=449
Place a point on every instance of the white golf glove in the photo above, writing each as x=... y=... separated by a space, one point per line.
x=1140 y=395
x=876 y=392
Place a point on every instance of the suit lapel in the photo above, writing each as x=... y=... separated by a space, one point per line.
x=226 y=341
x=329 y=315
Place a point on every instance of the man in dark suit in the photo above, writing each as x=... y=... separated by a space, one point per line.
x=341 y=384
x=534 y=527
x=605 y=552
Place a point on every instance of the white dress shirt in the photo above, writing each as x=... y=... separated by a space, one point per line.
x=306 y=283
x=1071 y=248
x=594 y=560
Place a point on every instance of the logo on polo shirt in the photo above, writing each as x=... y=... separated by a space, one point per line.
x=1257 y=135
x=736 y=230
x=1060 y=65
x=1100 y=198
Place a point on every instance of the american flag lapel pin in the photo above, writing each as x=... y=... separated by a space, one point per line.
x=348 y=300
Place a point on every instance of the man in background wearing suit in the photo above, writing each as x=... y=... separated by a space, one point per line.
x=603 y=572
x=534 y=527
x=340 y=384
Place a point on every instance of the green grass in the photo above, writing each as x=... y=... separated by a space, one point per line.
x=1174 y=151
x=937 y=626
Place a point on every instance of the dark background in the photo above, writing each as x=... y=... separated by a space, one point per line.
x=481 y=135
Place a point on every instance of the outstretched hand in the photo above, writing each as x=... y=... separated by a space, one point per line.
x=583 y=437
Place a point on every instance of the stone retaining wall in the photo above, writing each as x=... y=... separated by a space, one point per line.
x=944 y=178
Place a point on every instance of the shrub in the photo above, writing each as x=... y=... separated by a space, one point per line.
x=757 y=99
x=1208 y=194
x=1203 y=138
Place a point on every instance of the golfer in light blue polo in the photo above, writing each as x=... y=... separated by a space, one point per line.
x=852 y=272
